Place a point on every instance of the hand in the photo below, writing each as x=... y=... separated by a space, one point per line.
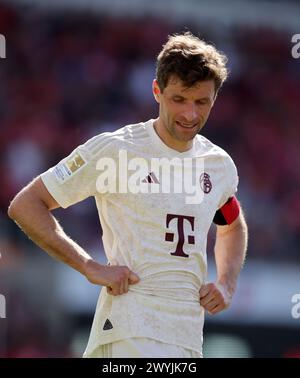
x=116 y=278
x=214 y=298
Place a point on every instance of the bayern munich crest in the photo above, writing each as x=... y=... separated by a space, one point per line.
x=205 y=183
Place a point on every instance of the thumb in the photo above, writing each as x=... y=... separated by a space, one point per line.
x=133 y=278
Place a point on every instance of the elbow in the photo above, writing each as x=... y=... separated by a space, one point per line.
x=12 y=209
x=16 y=207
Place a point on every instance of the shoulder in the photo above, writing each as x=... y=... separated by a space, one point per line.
x=216 y=154
x=113 y=141
x=209 y=149
x=221 y=163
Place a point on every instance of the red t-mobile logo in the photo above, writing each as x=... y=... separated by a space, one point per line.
x=170 y=235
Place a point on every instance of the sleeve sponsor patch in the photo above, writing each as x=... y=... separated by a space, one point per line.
x=64 y=170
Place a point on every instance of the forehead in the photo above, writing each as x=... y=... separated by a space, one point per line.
x=200 y=89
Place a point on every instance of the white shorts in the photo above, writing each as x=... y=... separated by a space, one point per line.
x=142 y=347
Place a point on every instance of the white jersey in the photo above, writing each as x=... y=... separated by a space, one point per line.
x=157 y=233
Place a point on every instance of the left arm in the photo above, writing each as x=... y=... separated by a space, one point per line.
x=230 y=253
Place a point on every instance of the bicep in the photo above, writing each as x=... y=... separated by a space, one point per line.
x=237 y=223
x=35 y=191
x=39 y=189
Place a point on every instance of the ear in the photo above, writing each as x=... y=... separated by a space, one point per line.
x=156 y=90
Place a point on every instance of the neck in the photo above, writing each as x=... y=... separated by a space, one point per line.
x=169 y=140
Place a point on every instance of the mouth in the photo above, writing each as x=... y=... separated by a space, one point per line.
x=186 y=125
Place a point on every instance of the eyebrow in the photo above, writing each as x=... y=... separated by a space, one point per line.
x=198 y=99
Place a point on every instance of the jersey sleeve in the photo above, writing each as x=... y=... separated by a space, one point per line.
x=228 y=209
x=74 y=178
x=232 y=181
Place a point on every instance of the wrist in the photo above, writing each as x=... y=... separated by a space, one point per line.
x=95 y=272
x=228 y=284
x=86 y=266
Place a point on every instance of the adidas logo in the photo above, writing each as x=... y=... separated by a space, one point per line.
x=151 y=179
x=107 y=325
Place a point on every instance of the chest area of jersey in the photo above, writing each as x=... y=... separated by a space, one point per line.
x=151 y=188
x=189 y=179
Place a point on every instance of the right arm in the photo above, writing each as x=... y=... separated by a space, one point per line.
x=31 y=210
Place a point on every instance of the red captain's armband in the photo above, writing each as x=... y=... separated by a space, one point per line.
x=228 y=213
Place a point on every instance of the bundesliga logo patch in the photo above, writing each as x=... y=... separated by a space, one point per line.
x=63 y=171
x=75 y=162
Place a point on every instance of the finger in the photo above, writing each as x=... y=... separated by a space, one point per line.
x=207 y=298
x=125 y=288
x=133 y=278
x=217 y=309
x=121 y=288
x=112 y=290
x=211 y=305
x=205 y=289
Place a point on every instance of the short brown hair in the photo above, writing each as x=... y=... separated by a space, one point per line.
x=192 y=60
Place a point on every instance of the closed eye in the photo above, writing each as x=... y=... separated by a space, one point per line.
x=203 y=101
x=178 y=99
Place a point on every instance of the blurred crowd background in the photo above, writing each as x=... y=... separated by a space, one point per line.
x=71 y=74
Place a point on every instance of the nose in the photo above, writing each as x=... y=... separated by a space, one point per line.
x=190 y=113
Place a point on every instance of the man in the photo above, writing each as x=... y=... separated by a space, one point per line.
x=154 y=295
